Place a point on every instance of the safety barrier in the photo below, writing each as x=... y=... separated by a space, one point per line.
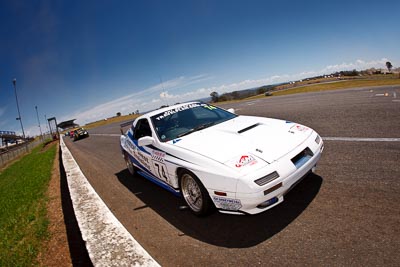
x=16 y=152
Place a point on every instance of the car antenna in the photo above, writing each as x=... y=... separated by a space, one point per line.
x=163 y=90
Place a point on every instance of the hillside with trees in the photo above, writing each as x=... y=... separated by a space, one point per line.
x=368 y=74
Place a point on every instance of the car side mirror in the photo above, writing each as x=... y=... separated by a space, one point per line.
x=145 y=141
x=231 y=110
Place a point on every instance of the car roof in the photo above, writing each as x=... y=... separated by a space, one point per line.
x=161 y=110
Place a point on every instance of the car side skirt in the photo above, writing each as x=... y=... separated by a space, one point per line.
x=154 y=179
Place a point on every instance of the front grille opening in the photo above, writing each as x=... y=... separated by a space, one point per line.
x=267 y=178
x=301 y=158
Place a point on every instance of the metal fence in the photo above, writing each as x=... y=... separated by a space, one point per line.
x=14 y=153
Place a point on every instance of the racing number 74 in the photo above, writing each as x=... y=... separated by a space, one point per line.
x=161 y=171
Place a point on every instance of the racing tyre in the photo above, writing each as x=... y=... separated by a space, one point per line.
x=195 y=195
x=132 y=169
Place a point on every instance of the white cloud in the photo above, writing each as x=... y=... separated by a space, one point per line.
x=165 y=95
x=32 y=131
x=146 y=99
x=152 y=97
x=358 y=65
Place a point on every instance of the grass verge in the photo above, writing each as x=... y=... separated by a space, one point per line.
x=317 y=87
x=111 y=120
x=338 y=85
x=23 y=218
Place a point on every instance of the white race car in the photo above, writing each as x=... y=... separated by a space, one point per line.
x=216 y=159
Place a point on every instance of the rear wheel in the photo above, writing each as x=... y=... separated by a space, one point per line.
x=195 y=195
x=129 y=165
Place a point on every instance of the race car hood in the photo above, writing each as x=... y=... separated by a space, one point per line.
x=246 y=140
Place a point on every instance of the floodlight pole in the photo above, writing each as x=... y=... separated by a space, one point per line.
x=40 y=128
x=47 y=126
x=19 y=114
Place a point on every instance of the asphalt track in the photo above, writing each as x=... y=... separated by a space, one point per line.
x=345 y=214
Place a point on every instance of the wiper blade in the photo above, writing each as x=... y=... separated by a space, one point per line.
x=197 y=128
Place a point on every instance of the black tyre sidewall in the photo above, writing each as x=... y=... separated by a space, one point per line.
x=128 y=161
x=208 y=205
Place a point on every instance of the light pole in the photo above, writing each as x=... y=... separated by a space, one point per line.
x=19 y=114
x=47 y=126
x=40 y=128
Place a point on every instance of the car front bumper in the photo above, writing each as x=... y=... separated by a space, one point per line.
x=274 y=192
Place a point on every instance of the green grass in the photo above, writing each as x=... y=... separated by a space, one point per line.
x=331 y=86
x=95 y=124
x=338 y=85
x=111 y=120
x=23 y=215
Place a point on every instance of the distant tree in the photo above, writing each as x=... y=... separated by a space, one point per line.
x=235 y=95
x=349 y=72
x=118 y=114
x=137 y=111
x=214 y=97
x=389 y=66
x=224 y=97
x=261 y=90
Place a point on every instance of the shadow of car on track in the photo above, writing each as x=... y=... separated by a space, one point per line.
x=231 y=231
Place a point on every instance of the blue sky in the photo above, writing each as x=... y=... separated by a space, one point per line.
x=91 y=59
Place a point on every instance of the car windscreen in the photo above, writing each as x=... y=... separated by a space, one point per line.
x=185 y=119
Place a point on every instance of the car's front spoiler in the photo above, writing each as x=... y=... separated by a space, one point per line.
x=254 y=204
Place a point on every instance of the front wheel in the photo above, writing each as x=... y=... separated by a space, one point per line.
x=195 y=195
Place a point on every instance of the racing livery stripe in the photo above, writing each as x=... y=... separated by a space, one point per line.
x=130 y=135
x=160 y=183
x=173 y=156
x=148 y=175
x=137 y=163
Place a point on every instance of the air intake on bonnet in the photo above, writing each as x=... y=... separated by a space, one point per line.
x=248 y=128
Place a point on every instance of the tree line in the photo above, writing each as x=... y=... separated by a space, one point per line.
x=237 y=95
